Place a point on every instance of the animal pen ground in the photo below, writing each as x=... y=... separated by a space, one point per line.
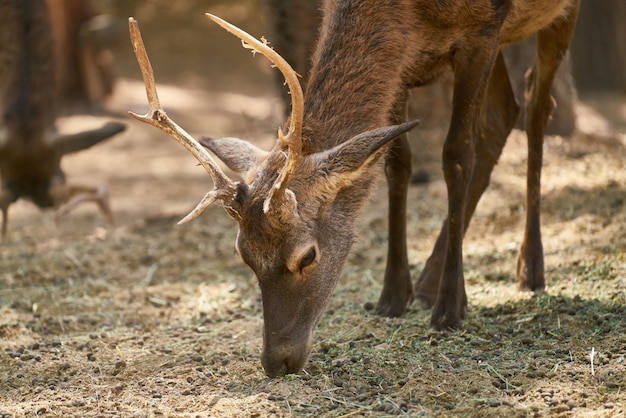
x=154 y=319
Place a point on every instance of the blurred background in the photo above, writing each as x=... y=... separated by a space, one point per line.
x=184 y=47
x=189 y=51
x=212 y=86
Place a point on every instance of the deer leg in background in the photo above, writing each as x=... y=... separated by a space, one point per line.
x=6 y=198
x=68 y=197
x=498 y=116
x=552 y=44
x=472 y=67
x=397 y=290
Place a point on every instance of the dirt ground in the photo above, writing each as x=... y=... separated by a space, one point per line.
x=153 y=319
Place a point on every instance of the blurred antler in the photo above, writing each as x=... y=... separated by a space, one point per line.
x=224 y=189
x=293 y=139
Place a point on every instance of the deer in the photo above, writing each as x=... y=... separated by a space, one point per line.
x=31 y=148
x=297 y=205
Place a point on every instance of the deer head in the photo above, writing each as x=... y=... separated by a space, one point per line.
x=30 y=167
x=296 y=211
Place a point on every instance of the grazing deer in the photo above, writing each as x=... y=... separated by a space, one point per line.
x=298 y=203
x=30 y=148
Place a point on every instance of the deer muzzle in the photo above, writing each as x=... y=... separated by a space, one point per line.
x=281 y=356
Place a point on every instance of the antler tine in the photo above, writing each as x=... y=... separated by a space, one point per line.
x=293 y=139
x=224 y=188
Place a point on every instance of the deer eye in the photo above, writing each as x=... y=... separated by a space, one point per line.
x=308 y=258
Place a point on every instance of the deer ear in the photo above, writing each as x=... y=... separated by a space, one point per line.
x=68 y=144
x=348 y=157
x=238 y=155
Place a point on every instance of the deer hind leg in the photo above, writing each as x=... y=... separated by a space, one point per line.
x=68 y=197
x=397 y=289
x=552 y=44
x=498 y=116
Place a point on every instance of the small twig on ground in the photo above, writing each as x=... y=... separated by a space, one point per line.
x=504 y=380
x=355 y=412
x=592 y=355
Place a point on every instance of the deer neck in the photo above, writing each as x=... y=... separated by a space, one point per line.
x=29 y=95
x=357 y=73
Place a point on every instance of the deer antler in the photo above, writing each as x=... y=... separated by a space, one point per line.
x=293 y=139
x=224 y=189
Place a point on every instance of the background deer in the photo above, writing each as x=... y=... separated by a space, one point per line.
x=30 y=148
x=298 y=204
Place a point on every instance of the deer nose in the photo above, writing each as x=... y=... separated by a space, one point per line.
x=274 y=367
x=284 y=359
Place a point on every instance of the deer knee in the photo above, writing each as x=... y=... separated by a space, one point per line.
x=458 y=162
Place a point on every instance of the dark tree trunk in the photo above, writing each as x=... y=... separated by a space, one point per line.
x=84 y=62
x=599 y=46
x=294 y=27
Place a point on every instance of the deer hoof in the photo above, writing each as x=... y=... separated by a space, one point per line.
x=425 y=300
x=530 y=273
x=390 y=310
x=392 y=303
x=442 y=321
x=448 y=316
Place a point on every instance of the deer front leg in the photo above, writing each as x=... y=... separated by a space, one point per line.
x=68 y=197
x=552 y=44
x=397 y=288
x=472 y=68
x=498 y=116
